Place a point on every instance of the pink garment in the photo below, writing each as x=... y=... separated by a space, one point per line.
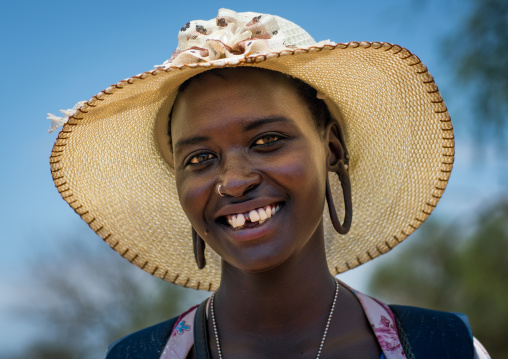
x=379 y=315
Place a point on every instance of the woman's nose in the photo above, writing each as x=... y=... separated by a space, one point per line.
x=238 y=178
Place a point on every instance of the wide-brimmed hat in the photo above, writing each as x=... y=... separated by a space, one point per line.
x=107 y=165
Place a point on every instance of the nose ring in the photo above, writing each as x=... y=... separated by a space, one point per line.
x=219 y=187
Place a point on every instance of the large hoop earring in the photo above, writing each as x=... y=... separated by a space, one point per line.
x=198 y=245
x=348 y=203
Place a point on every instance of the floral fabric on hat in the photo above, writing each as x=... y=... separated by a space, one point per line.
x=236 y=35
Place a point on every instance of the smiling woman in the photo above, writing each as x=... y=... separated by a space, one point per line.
x=257 y=140
x=239 y=142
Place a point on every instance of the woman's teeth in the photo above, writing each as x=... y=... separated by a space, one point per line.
x=256 y=215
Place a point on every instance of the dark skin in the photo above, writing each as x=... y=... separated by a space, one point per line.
x=256 y=138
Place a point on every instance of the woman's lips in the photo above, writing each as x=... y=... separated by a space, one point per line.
x=258 y=215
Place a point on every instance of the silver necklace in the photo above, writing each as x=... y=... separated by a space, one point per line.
x=321 y=345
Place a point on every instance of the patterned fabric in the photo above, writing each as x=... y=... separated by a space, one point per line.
x=383 y=324
x=379 y=315
x=182 y=337
x=480 y=351
x=234 y=34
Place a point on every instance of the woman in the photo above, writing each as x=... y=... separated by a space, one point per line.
x=249 y=153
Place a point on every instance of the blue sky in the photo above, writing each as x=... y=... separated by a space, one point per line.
x=56 y=53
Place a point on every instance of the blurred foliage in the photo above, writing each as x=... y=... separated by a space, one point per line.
x=81 y=298
x=443 y=269
x=478 y=54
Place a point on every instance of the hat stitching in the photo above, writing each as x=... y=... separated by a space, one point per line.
x=427 y=213
x=64 y=196
x=418 y=62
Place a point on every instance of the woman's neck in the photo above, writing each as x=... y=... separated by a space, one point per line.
x=282 y=312
x=296 y=292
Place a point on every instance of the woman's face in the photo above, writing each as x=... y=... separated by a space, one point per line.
x=251 y=133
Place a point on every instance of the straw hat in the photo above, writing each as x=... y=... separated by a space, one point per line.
x=106 y=163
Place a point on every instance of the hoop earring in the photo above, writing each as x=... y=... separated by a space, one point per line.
x=198 y=244
x=348 y=203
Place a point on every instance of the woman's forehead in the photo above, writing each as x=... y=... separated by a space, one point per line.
x=242 y=74
x=238 y=91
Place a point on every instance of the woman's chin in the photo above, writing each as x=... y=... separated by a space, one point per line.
x=257 y=261
x=264 y=259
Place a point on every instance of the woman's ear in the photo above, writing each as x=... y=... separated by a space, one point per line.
x=336 y=148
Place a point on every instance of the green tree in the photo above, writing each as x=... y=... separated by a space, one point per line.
x=443 y=269
x=477 y=52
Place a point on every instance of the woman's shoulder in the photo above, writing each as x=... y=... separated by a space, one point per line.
x=154 y=342
x=146 y=343
x=421 y=332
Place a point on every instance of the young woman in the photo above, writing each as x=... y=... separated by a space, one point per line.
x=240 y=141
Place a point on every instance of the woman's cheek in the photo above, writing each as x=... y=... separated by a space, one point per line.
x=297 y=170
x=193 y=193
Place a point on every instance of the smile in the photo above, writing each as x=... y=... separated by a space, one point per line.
x=257 y=216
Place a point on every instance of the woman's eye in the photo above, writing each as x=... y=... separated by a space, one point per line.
x=267 y=140
x=203 y=157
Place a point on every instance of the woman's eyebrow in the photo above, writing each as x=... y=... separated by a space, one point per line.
x=250 y=126
x=191 y=141
x=263 y=121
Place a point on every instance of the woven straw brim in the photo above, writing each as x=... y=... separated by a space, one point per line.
x=107 y=166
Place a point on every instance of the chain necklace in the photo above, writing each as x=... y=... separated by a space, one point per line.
x=212 y=310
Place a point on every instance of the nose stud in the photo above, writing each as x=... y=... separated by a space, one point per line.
x=219 y=187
